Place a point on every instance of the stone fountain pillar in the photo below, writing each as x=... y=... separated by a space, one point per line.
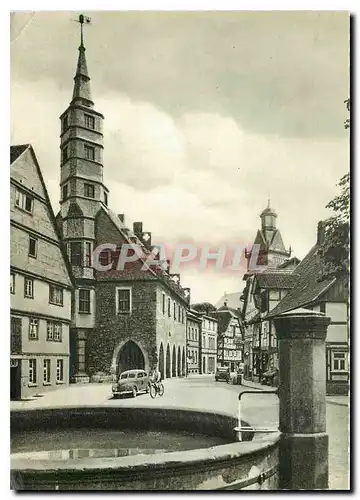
x=303 y=452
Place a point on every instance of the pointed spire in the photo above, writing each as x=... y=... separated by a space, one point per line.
x=82 y=91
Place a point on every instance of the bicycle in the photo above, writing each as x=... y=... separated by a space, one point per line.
x=156 y=388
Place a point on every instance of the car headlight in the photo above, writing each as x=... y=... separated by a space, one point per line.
x=114 y=387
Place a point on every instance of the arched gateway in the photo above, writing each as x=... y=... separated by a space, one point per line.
x=128 y=356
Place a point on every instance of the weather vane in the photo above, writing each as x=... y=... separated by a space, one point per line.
x=83 y=20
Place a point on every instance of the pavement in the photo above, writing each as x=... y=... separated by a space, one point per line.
x=203 y=393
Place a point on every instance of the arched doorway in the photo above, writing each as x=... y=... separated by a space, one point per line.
x=130 y=358
x=168 y=367
x=183 y=370
x=161 y=361
x=179 y=362
x=174 y=362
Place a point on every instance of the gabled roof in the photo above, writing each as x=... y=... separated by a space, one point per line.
x=16 y=151
x=289 y=262
x=131 y=268
x=276 y=280
x=224 y=315
x=308 y=286
x=233 y=300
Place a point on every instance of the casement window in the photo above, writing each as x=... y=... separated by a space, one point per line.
x=65 y=192
x=24 y=201
x=32 y=371
x=47 y=371
x=29 y=288
x=84 y=301
x=89 y=190
x=339 y=361
x=56 y=295
x=65 y=154
x=33 y=329
x=15 y=335
x=12 y=282
x=123 y=300
x=64 y=123
x=76 y=253
x=89 y=152
x=54 y=331
x=59 y=370
x=169 y=307
x=87 y=254
x=163 y=303
x=32 y=247
x=89 y=122
x=104 y=258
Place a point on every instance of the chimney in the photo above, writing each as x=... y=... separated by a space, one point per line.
x=320 y=233
x=122 y=217
x=137 y=228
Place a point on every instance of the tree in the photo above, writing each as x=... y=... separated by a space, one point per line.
x=335 y=249
x=204 y=307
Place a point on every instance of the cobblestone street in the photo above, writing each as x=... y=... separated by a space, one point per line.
x=202 y=392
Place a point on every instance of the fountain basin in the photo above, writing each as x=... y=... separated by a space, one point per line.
x=218 y=462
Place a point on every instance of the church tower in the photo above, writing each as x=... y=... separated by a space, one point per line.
x=272 y=251
x=82 y=193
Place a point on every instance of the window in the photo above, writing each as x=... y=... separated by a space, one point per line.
x=12 y=282
x=24 y=201
x=32 y=371
x=163 y=303
x=84 y=301
x=32 y=247
x=54 y=331
x=64 y=123
x=174 y=308
x=123 y=300
x=15 y=335
x=89 y=190
x=33 y=329
x=59 y=370
x=89 y=122
x=65 y=154
x=89 y=152
x=29 y=288
x=105 y=198
x=169 y=307
x=47 y=367
x=75 y=253
x=104 y=258
x=179 y=312
x=65 y=192
x=87 y=254
x=339 y=361
x=56 y=295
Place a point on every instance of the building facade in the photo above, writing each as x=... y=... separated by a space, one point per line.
x=230 y=340
x=40 y=284
x=208 y=344
x=123 y=317
x=193 y=339
x=313 y=291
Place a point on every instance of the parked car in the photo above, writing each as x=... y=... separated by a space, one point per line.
x=222 y=373
x=131 y=382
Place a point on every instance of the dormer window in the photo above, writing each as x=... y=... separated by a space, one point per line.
x=89 y=122
x=89 y=152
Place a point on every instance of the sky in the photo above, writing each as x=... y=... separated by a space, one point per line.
x=207 y=115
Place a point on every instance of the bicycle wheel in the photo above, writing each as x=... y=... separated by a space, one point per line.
x=161 y=389
x=152 y=390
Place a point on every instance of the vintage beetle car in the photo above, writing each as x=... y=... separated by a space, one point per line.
x=131 y=382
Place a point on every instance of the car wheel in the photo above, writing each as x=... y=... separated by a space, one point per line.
x=134 y=392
